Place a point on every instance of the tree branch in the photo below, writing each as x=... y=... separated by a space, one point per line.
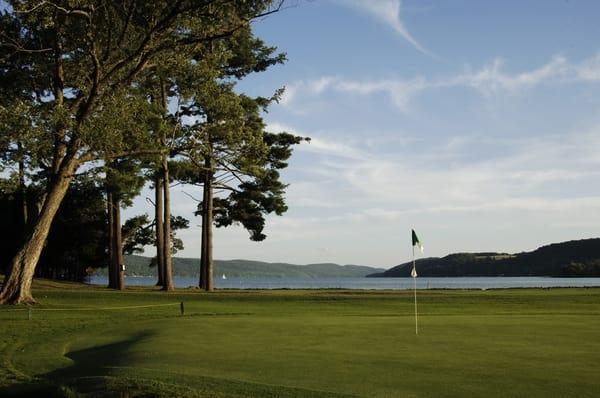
x=231 y=170
x=195 y=199
x=68 y=11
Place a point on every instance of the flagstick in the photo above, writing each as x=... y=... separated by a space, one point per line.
x=415 y=291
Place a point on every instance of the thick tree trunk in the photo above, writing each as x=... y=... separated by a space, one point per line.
x=168 y=261
x=17 y=285
x=158 y=221
x=206 y=257
x=112 y=280
x=118 y=245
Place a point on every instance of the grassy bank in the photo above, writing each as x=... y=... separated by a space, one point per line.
x=517 y=342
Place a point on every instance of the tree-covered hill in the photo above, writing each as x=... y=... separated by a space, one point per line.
x=189 y=267
x=572 y=258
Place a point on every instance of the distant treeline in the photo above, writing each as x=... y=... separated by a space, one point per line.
x=573 y=258
x=189 y=267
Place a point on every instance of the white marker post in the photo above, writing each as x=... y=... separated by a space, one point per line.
x=413 y=273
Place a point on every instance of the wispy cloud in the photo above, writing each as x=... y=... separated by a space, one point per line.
x=311 y=87
x=490 y=80
x=333 y=148
x=528 y=177
x=399 y=91
x=388 y=12
x=590 y=69
x=321 y=145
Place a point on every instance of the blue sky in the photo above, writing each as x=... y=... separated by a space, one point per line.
x=476 y=123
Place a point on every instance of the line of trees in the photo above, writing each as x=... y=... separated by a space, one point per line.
x=100 y=98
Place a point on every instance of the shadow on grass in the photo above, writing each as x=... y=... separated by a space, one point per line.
x=92 y=375
x=88 y=376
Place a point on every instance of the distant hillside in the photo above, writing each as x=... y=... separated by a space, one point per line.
x=573 y=258
x=189 y=267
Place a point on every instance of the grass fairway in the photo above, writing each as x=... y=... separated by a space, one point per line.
x=518 y=342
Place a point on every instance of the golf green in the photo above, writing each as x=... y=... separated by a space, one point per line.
x=321 y=343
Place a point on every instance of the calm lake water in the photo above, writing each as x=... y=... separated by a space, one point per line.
x=369 y=283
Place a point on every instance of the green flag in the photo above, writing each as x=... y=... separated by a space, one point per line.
x=416 y=241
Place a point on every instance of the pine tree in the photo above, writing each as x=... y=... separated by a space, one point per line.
x=233 y=153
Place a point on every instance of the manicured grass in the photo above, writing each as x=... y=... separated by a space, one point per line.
x=516 y=342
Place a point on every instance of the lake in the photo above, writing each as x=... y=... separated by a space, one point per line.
x=369 y=283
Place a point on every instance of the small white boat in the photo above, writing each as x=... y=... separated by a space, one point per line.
x=223 y=276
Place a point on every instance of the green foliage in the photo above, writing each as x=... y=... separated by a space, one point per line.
x=249 y=55
x=120 y=126
x=253 y=199
x=138 y=232
x=81 y=69
x=124 y=179
x=590 y=268
x=245 y=159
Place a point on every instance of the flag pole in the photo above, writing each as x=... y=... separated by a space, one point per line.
x=415 y=293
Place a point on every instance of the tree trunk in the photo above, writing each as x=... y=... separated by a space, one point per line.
x=119 y=263
x=58 y=79
x=167 y=258
x=112 y=280
x=202 y=281
x=204 y=239
x=158 y=221
x=168 y=261
x=22 y=193
x=209 y=241
x=206 y=257
x=17 y=285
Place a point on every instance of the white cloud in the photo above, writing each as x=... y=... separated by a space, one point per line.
x=320 y=145
x=528 y=177
x=318 y=86
x=399 y=91
x=333 y=148
x=590 y=69
x=490 y=80
x=388 y=12
x=288 y=94
x=312 y=87
x=530 y=204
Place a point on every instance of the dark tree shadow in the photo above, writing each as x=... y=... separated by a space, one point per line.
x=85 y=377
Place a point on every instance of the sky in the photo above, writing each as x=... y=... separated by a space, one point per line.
x=475 y=123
